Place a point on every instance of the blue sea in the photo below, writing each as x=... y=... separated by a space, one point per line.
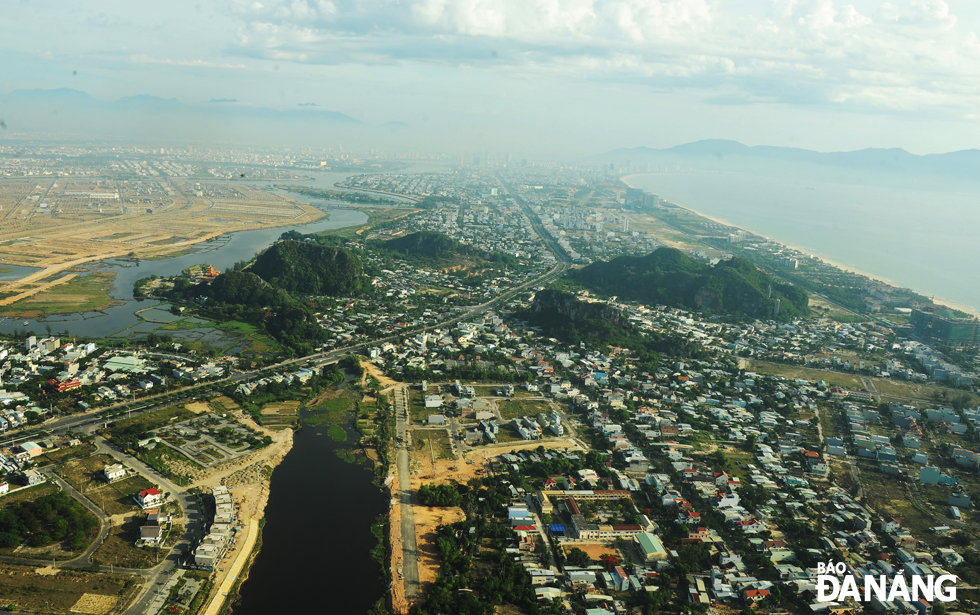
x=925 y=239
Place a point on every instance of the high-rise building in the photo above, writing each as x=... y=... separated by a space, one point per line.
x=651 y=200
x=945 y=327
x=634 y=194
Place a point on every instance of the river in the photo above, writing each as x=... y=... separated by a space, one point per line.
x=924 y=239
x=221 y=252
x=317 y=537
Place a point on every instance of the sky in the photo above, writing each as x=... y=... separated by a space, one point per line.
x=569 y=77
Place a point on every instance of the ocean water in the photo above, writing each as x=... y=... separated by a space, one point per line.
x=925 y=239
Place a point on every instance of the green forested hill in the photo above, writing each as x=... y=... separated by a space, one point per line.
x=246 y=297
x=564 y=316
x=668 y=276
x=428 y=244
x=436 y=248
x=309 y=268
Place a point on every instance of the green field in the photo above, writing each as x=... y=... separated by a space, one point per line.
x=437 y=439
x=847 y=381
x=332 y=411
x=68 y=452
x=28 y=495
x=513 y=408
x=376 y=216
x=81 y=294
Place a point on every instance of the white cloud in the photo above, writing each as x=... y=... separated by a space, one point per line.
x=900 y=55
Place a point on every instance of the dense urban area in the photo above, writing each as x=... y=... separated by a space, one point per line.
x=580 y=396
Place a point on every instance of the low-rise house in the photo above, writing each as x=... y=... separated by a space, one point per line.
x=149 y=497
x=28 y=450
x=113 y=472
x=151 y=534
x=32 y=477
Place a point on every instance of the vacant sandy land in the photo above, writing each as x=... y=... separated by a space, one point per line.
x=56 y=243
x=198 y=407
x=427 y=522
x=594 y=551
x=385 y=382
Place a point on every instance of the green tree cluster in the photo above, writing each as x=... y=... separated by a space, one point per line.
x=432 y=248
x=439 y=495
x=51 y=519
x=246 y=297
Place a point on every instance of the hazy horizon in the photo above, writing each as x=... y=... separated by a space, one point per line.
x=563 y=78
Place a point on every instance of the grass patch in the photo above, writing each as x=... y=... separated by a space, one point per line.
x=829 y=422
x=346 y=455
x=924 y=394
x=376 y=216
x=337 y=433
x=81 y=294
x=847 y=381
x=28 y=495
x=68 y=453
x=891 y=497
x=119 y=548
x=279 y=414
x=32 y=592
x=149 y=421
x=429 y=443
x=86 y=474
x=513 y=408
x=169 y=462
x=416 y=407
x=332 y=411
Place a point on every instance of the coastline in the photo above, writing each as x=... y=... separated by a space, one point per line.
x=938 y=300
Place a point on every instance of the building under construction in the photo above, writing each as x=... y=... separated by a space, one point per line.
x=945 y=327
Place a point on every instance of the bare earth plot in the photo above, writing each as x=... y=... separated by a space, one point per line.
x=73 y=223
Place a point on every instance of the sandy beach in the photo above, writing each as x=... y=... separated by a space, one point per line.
x=830 y=261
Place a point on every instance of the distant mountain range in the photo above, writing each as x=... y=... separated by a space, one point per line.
x=722 y=155
x=74 y=113
x=77 y=99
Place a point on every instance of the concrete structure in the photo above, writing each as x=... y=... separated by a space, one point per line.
x=32 y=477
x=650 y=546
x=114 y=472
